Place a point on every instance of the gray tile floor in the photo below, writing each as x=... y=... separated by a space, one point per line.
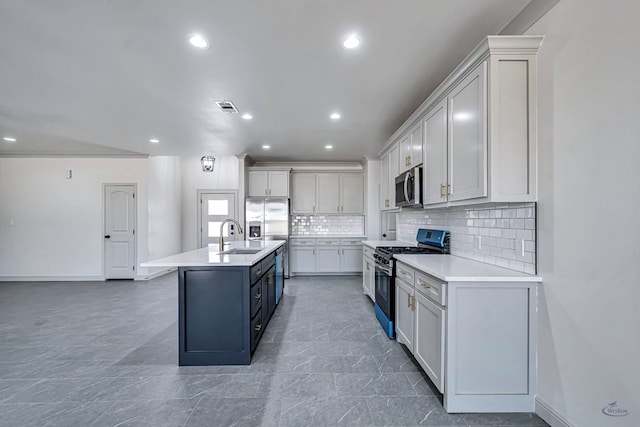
x=104 y=353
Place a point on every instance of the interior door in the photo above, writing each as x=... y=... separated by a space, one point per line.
x=119 y=231
x=215 y=208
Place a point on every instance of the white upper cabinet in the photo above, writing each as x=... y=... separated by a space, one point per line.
x=385 y=202
x=279 y=183
x=352 y=193
x=328 y=193
x=393 y=173
x=405 y=152
x=480 y=128
x=388 y=173
x=467 y=137
x=264 y=183
x=411 y=149
x=303 y=193
x=435 y=155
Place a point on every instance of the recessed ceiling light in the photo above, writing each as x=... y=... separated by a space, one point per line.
x=351 y=42
x=196 y=40
x=154 y=141
x=335 y=116
x=247 y=116
x=9 y=139
x=266 y=147
x=328 y=147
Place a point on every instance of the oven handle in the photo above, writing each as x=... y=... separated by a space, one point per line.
x=381 y=269
x=406 y=187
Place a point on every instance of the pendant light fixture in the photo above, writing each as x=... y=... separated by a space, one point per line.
x=208 y=162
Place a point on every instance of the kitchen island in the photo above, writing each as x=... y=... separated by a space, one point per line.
x=225 y=299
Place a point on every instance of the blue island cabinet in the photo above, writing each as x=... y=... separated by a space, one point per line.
x=223 y=312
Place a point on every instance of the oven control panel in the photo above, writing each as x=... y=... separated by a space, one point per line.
x=439 y=238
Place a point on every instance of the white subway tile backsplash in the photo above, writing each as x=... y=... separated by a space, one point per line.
x=318 y=225
x=516 y=223
x=491 y=233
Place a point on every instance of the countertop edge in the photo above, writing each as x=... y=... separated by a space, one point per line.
x=226 y=260
x=505 y=275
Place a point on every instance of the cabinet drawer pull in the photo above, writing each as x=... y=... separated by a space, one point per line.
x=258 y=327
x=258 y=272
x=424 y=285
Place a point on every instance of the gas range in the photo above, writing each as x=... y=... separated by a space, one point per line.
x=428 y=242
x=384 y=254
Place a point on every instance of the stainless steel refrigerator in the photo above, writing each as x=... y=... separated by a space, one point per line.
x=267 y=218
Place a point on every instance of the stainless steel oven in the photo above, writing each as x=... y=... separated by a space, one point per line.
x=385 y=294
x=427 y=242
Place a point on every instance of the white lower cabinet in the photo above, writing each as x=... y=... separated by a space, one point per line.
x=326 y=255
x=428 y=347
x=328 y=259
x=303 y=259
x=405 y=318
x=351 y=258
x=475 y=339
x=368 y=272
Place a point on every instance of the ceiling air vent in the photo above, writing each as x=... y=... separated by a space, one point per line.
x=227 y=106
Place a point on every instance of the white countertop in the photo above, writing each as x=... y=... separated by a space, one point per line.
x=376 y=243
x=329 y=236
x=451 y=268
x=211 y=257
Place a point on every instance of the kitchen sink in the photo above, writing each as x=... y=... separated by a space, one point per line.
x=240 y=251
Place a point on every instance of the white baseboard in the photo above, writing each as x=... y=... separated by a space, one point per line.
x=550 y=415
x=51 y=278
x=158 y=274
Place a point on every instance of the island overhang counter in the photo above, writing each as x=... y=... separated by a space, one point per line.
x=225 y=299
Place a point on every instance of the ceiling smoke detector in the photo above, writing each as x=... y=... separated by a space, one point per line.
x=226 y=106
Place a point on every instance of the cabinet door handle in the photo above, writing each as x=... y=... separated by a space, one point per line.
x=386 y=203
x=441 y=191
x=413 y=304
x=258 y=272
x=368 y=266
x=448 y=189
x=258 y=296
x=337 y=208
x=258 y=327
x=269 y=191
x=408 y=300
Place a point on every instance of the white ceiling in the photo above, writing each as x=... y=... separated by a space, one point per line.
x=105 y=76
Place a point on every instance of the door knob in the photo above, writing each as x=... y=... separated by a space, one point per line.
x=108 y=236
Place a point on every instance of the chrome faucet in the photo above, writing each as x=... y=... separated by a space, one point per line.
x=221 y=243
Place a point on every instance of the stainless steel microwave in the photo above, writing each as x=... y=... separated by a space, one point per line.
x=408 y=188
